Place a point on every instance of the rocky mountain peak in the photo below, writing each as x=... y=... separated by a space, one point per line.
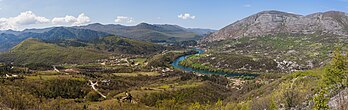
x=275 y=12
x=275 y=22
x=334 y=13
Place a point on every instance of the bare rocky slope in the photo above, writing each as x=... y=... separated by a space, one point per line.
x=275 y=22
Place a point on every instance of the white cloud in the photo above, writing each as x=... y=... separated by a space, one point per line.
x=124 y=19
x=186 y=16
x=23 y=19
x=28 y=18
x=71 y=20
x=247 y=5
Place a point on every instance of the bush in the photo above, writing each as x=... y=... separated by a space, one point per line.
x=39 y=66
x=320 y=101
x=92 y=96
x=17 y=98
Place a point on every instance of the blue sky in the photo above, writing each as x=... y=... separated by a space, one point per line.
x=214 y=14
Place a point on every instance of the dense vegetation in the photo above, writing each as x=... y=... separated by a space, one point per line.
x=73 y=51
x=230 y=63
x=35 y=51
x=165 y=59
x=127 y=46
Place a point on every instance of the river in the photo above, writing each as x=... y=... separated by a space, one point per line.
x=175 y=64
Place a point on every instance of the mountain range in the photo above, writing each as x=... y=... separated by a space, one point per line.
x=151 y=33
x=54 y=35
x=276 y=22
x=291 y=41
x=273 y=34
x=145 y=32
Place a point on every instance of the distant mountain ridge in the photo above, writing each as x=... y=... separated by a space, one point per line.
x=276 y=22
x=143 y=31
x=54 y=35
x=151 y=32
x=7 y=41
x=33 y=50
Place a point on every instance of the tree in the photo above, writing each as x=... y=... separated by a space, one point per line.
x=335 y=77
x=320 y=101
x=336 y=71
x=92 y=96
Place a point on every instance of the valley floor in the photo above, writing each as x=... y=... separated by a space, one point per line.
x=153 y=84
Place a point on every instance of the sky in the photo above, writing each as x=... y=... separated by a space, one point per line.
x=212 y=14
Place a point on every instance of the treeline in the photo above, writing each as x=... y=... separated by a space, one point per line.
x=9 y=68
x=13 y=69
x=5 y=68
x=199 y=66
x=230 y=63
x=164 y=60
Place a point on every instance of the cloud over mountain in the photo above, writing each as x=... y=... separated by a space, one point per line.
x=124 y=19
x=24 y=18
x=71 y=20
x=186 y=16
x=30 y=18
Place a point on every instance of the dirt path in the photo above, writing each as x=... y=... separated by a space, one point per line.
x=95 y=89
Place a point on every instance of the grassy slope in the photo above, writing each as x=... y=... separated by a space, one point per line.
x=34 y=51
x=126 y=46
x=300 y=86
x=71 y=51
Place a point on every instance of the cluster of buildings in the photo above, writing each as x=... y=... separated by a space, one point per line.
x=115 y=61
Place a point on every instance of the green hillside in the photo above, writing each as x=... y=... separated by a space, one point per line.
x=118 y=45
x=35 y=51
x=150 y=32
x=72 y=51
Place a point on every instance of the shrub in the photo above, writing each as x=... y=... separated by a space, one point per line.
x=92 y=96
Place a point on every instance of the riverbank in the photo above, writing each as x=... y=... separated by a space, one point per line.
x=176 y=64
